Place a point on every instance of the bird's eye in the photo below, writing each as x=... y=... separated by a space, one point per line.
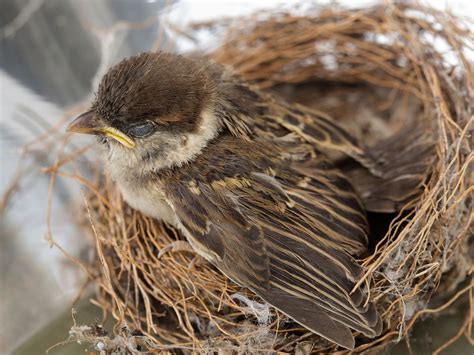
x=142 y=129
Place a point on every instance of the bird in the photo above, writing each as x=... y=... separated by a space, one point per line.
x=249 y=180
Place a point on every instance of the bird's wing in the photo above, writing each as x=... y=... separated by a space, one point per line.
x=287 y=235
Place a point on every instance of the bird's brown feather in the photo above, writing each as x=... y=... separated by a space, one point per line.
x=281 y=228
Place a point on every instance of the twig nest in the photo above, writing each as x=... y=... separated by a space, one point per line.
x=376 y=71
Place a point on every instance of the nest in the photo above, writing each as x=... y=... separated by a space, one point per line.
x=374 y=69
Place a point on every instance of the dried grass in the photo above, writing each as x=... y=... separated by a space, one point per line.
x=375 y=69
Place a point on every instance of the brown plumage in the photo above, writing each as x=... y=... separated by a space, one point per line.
x=248 y=180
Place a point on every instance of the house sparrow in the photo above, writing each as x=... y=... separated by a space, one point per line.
x=243 y=175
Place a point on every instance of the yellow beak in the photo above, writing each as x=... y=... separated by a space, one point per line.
x=90 y=123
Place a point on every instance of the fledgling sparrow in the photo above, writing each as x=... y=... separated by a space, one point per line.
x=243 y=175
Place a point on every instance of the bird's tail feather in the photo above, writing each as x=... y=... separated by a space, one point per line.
x=404 y=162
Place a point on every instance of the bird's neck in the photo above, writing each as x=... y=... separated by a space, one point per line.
x=241 y=107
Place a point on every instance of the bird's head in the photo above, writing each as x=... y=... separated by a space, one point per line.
x=154 y=107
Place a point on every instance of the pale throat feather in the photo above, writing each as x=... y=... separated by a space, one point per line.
x=127 y=166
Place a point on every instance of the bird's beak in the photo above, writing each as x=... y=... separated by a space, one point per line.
x=90 y=123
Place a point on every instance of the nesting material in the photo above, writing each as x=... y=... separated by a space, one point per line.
x=376 y=71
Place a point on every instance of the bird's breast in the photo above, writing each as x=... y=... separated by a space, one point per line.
x=145 y=196
x=149 y=199
x=148 y=196
x=152 y=202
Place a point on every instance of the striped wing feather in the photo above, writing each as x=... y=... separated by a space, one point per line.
x=288 y=238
